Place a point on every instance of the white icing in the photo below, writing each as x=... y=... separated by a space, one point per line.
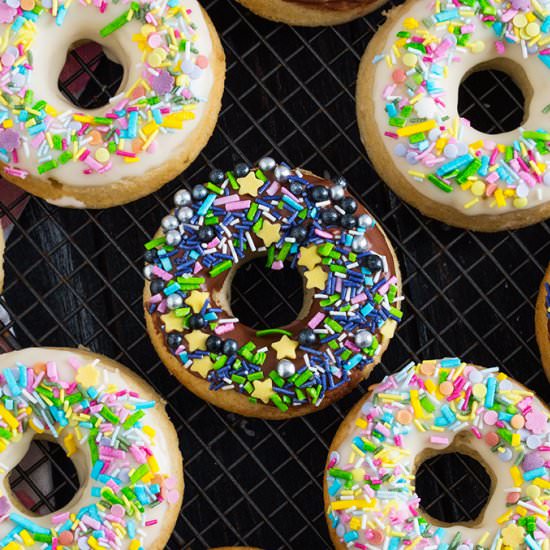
x=414 y=441
x=536 y=72
x=69 y=202
x=163 y=449
x=84 y=22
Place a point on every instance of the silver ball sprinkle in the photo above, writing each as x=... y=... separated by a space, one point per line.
x=363 y=339
x=148 y=272
x=184 y=214
x=360 y=243
x=282 y=173
x=174 y=301
x=182 y=197
x=173 y=238
x=266 y=164
x=285 y=368
x=169 y=222
x=341 y=182
x=337 y=193
x=365 y=221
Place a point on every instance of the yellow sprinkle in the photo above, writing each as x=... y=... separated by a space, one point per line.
x=416 y=128
x=361 y=423
x=358 y=503
x=10 y=420
x=499 y=197
x=102 y=155
x=516 y=476
x=505 y=517
x=27 y=539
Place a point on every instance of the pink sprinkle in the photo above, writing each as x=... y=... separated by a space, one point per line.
x=277 y=265
x=60 y=518
x=316 y=320
x=273 y=188
x=476 y=432
x=213 y=243
x=164 y=275
x=360 y=298
x=225 y=200
x=438 y=440
x=197 y=267
x=125 y=154
x=324 y=234
x=150 y=522
x=51 y=369
x=223 y=328
x=241 y=205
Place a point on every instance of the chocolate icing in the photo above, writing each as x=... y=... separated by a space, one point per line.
x=219 y=290
x=336 y=5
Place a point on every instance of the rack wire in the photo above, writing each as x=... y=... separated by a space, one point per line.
x=74 y=278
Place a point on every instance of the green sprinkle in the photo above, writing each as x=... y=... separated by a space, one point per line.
x=269 y=331
x=141 y=471
x=115 y=24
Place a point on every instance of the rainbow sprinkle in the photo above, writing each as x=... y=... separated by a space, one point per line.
x=432 y=143
x=371 y=476
x=159 y=102
x=85 y=413
x=290 y=218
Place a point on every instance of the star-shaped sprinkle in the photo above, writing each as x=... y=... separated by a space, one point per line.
x=171 y=322
x=285 y=348
x=309 y=257
x=87 y=376
x=316 y=278
x=203 y=366
x=513 y=536
x=196 y=340
x=249 y=185
x=196 y=300
x=270 y=233
x=263 y=389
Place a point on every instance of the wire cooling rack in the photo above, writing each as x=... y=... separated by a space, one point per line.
x=74 y=277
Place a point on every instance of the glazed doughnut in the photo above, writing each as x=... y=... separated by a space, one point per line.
x=407 y=104
x=294 y=218
x=542 y=322
x=312 y=13
x=429 y=409
x=122 y=444
x=160 y=119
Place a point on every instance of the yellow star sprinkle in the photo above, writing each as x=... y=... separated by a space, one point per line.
x=203 y=366
x=269 y=233
x=263 y=390
x=316 y=278
x=196 y=300
x=171 y=322
x=513 y=536
x=309 y=257
x=249 y=185
x=196 y=340
x=87 y=376
x=285 y=348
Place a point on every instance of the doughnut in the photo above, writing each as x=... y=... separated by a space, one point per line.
x=407 y=107
x=157 y=123
x=115 y=430
x=429 y=409
x=542 y=322
x=312 y=13
x=296 y=220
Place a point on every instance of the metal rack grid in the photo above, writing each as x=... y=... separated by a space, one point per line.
x=74 y=277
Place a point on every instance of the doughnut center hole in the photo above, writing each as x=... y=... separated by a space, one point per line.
x=44 y=481
x=453 y=488
x=491 y=98
x=90 y=78
x=264 y=297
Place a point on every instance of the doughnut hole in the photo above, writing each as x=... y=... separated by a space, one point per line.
x=263 y=297
x=44 y=481
x=453 y=488
x=495 y=96
x=91 y=75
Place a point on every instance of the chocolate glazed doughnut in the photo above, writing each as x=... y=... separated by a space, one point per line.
x=312 y=13
x=293 y=218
